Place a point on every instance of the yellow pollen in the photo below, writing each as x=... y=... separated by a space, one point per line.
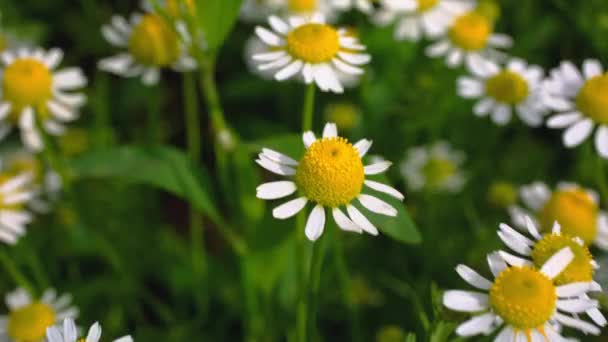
x=507 y=87
x=331 y=172
x=579 y=270
x=425 y=5
x=27 y=82
x=302 y=5
x=153 y=43
x=576 y=212
x=313 y=43
x=523 y=297
x=29 y=323
x=592 y=99
x=437 y=171
x=175 y=8
x=471 y=31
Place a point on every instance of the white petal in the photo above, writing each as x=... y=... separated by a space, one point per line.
x=377 y=168
x=346 y=68
x=497 y=263
x=363 y=146
x=269 y=56
x=326 y=78
x=596 y=315
x=309 y=138
x=482 y=324
x=151 y=77
x=278 y=24
x=315 y=223
x=501 y=114
x=573 y=289
x=592 y=68
x=454 y=58
x=271 y=166
x=361 y=220
x=344 y=222
x=53 y=58
x=330 y=130
x=355 y=58
x=557 y=263
x=473 y=278
x=61 y=112
x=275 y=190
x=69 y=330
x=94 y=333
x=70 y=78
x=289 y=209
x=500 y=40
x=279 y=157
x=515 y=244
x=377 y=205
x=483 y=107
x=268 y=37
x=113 y=36
x=384 y=188
x=465 y=301
x=514 y=260
x=583 y=326
x=577 y=133
x=124 y=339
x=120 y=64
x=438 y=49
x=577 y=305
x=601 y=141
x=54 y=335
x=289 y=70
x=506 y=335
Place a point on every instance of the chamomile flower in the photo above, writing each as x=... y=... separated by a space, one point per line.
x=365 y=6
x=16 y=191
x=580 y=100
x=331 y=175
x=28 y=318
x=259 y=10
x=470 y=38
x=522 y=301
x=434 y=167
x=151 y=45
x=346 y=115
x=575 y=208
x=310 y=48
x=538 y=248
x=502 y=90
x=69 y=333
x=33 y=94
x=420 y=18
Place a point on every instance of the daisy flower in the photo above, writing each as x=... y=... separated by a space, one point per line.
x=365 y=6
x=420 y=18
x=538 y=248
x=69 y=333
x=470 y=38
x=575 y=208
x=331 y=174
x=522 y=300
x=150 y=43
x=311 y=48
x=434 y=167
x=516 y=86
x=580 y=102
x=34 y=94
x=259 y=10
x=28 y=318
x=16 y=191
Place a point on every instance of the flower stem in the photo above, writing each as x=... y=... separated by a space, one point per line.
x=314 y=282
x=12 y=269
x=346 y=287
x=601 y=178
x=53 y=158
x=308 y=109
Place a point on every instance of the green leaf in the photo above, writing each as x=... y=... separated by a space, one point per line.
x=162 y=167
x=217 y=17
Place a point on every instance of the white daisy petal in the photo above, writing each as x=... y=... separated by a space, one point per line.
x=54 y=335
x=344 y=222
x=583 y=326
x=278 y=24
x=269 y=56
x=377 y=205
x=484 y=106
x=573 y=289
x=363 y=146
x=482 y=324
x=514 y=260
x=271 y=166
x=360 y=220
x=384 y=188
x=330 y=130
x=598 y=318
x=69 y=78
x=465 y=301
x=577 y=133
x=289 y=71
x=69 y=330
x=53 y=58
x=276 y=190
x=497 y=263
x=377 y=168
x=592 y=68
x=557 y=263
x=289 y=209
x=94 y=333
x=309 y=138
x=355 y=58
x=576 y=305
x=279 y=157
x=601 y=141
x=268 y=36
x=563 y=120
x=315 y=223
x=473 y=278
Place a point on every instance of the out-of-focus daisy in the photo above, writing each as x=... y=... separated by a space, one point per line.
x=259 y=10
x=575 y=208
x=581 y=103
x=45 y=181
x=69 y=333
x=420 y=18
x=16 y=191
x=517 y=86
x=365 y=6
x=470 y=38
x=331 y=174
x=28 y=318
x=502 y=194
x=346 y=115
x=522 y=299
x=151 y=45
x=33 y=94
x=539 y=248
x=310 y=48
x=435 y=167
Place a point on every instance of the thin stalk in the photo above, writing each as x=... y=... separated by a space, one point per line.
x=314 y=282
x=601 y=177
x=53 y=158
x=14 y=272
x=345 y=284
x=308 y=109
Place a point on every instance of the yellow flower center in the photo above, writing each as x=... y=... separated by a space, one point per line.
x=153 y=43
x=302 y=5
x=471 y=31
x=27 y=82
x=313 y=43
x=425 y=5
x=579 y=270
x=30 y=322
x=592 y=99
x=523 y=297
x=331 y=172
x=437 y=171
x=175 y=8
x=575 y=211
x=507 y=87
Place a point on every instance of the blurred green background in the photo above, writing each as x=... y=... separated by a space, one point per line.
x=122 y=248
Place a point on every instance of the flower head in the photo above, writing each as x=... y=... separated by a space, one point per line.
x=576 y=209
x=28 y=318
x=69 y=333
x=310 y=47
x=331 y=174
x=420 y=18
x=150 y=43
x=470 y=38
x=581 y=103
x=34 y=94
x=259 y=10
x=523 y=300
x=16 y=192
x=434 y=167
x=517 y=86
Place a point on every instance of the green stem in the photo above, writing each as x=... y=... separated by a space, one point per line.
x=314 y=283
x=53 y=158
x=12 y=269
x=601 y=178
x=308 y=109
x=211 y=95
x=345 y=283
